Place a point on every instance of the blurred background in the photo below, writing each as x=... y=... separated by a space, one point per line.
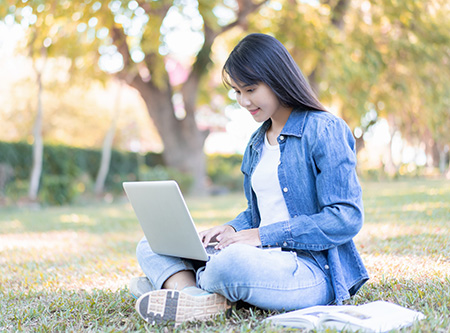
x=94 y=93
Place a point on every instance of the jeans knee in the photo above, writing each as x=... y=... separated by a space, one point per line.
x=225 y=266
x=229 y=257
x=142 y=249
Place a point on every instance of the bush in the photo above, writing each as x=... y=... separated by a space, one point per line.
x=225 y=171
x=67 y=171
x=6 y=173
x=17 y=189
x=160 y=172
x=58 y=190
x=19 y=156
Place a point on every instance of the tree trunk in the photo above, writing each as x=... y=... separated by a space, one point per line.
x=38 y=145
x=389 y=166
x=183 y=141
x=337 y=20
x=359 y=144
x=431 y=150
x=447 y=162
x=444 y=160
x=107 y=146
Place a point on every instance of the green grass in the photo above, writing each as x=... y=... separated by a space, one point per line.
x=67 y=268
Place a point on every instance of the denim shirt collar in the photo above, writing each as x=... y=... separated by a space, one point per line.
x=290 y=128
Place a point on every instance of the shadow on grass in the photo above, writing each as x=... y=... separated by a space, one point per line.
x=102 y=218
x=92 y=219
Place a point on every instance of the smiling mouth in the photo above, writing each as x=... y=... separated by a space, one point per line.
x=255 y=111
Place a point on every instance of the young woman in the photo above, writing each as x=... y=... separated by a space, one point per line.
x=303 y=197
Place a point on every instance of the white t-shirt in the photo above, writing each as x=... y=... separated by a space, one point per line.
x=266 y=186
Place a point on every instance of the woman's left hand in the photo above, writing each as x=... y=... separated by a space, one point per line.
x=248 y=236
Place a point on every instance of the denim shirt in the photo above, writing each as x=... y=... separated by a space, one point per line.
x=317 y=174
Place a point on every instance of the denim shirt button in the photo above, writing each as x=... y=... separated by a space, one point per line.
x=285 y=189
x=281 y=137
x=284 y=244
x=326 y=267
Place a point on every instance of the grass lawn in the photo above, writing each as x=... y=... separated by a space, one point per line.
x=67 y=268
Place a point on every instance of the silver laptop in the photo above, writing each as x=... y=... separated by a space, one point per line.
x=165 y=219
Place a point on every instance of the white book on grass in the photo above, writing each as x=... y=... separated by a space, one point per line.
x=379 y=316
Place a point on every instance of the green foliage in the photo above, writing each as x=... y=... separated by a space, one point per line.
x=363 y=56
x=60 y=161
x=153 y=159
x=160 y=172
x=57 y=190
x=67 y=171
x=19 y=155
x=17 y=189
x=225 y=171
x=405 y=171
x=70 y=172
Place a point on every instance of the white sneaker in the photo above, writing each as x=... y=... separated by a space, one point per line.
x=140 y=286
x=178 y=306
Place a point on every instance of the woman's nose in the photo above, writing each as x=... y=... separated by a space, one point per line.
x=245 y=101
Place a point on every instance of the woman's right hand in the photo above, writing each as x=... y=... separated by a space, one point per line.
x=210 y=235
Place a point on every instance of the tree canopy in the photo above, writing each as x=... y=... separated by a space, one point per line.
x=366 y=59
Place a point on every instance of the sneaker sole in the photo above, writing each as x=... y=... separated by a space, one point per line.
x=162 y=306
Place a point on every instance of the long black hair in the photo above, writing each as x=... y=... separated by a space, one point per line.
x=262 y=58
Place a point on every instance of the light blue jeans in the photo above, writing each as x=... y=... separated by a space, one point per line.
x=275 y=280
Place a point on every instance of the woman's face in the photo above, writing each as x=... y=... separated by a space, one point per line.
x=260 y=100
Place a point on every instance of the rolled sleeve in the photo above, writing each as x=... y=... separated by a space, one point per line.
x=242 y=221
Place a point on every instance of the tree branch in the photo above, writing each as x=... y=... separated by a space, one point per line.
x=190 y=87
x=337 y=20
x=131 y=72
x=120 y=41
x=150 y=8
x=338 y=14
x=246 y=7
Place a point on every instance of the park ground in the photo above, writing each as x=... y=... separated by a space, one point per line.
x=67 y=268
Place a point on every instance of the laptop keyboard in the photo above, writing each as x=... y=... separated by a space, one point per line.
x=210 y=249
